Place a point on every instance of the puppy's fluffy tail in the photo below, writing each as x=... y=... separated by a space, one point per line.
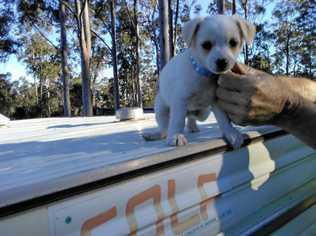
x=154 y=136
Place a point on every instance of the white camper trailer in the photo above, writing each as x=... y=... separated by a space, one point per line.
x=96 y=176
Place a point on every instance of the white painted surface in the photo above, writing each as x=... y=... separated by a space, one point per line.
x=4 y=120
x=30 y=223
x=41 y=156
x=234 y=199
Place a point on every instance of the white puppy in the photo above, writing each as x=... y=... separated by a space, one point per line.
x=188 y=82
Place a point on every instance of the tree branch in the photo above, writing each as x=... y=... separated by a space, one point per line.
x=92 y=31
x=105 y=24
x=43 y=35
x=103 y=41
x=69 y=8
x=82 y=8
x=73 y=13
x=129 y=16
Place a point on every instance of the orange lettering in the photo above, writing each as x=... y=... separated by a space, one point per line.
x=151 y=193
x=205 y=201
x=97 y=220
x=179 y=227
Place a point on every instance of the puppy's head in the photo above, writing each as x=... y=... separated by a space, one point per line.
x=217 y=40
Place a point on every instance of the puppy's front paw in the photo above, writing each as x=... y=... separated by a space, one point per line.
x=154 y=136
x=177 y=140
x=234 y=138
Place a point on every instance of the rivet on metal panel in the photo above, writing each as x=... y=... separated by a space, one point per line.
x=68 y=220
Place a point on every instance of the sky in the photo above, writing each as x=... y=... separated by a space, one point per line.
x=18 y=69
x=15 y=67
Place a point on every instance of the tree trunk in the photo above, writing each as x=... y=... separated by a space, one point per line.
x=221 y=6
x=47 y=99
x=234 y=7
x=294 y=68
x=64 y=59
x=287 y=53
x=287 y=48
x=157 y=52
x=245 y=7
x=175 y=27
x=114 y=56
x=154 y=37
x=41 y=103
x=83 y=33
x=94 y=79
x=170 y=23
x=138 y=88
x=164 y=28
x=36 y=91
x=310 y=61
x=86 y=26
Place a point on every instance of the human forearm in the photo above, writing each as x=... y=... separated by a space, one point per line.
x=299 y=114
x=302 y=87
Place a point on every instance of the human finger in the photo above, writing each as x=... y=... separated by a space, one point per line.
x=243 y=69
x=231 y=96
x=231 y=108
x=237 y=119
x=231 y=81
x=238 y=69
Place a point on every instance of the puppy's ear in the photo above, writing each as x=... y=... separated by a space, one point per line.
x=189 y=30
x=246 y=29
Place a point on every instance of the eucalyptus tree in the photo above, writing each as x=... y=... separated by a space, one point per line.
x=45 y=17
x=164 y=32
x=84 y=37
x=41 y=61
x=64 y=58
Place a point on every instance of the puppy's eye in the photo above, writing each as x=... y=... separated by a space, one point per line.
x=207 y=45
x=233 y=43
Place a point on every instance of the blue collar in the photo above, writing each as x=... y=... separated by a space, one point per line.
x=201 y=70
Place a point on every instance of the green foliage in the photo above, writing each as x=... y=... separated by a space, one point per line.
x=6 y=95
x=294 y=34
x=41 y=62
x=104 y=95
x=8 y=44
x=25 y=101
x=75 y=96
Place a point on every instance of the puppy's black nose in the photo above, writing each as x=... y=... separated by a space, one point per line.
x=221 y=64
